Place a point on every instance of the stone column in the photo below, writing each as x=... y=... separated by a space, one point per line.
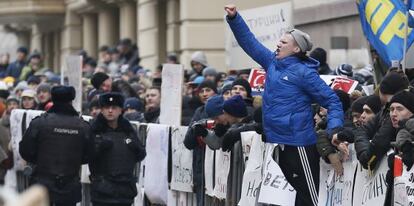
x=36 y=39
x=71 y=36
x=89 y=34
x=151 y=32
x=128 y=20
x=56 y=50
x=48 y=50
x=108 y=33
x=23 y=38
x=173 y=26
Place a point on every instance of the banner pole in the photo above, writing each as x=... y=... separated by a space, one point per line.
x=404 y=60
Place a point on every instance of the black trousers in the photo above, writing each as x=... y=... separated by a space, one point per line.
x=300 y=165
x=104 y=204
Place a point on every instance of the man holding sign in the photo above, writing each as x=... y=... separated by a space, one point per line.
x=292 y=85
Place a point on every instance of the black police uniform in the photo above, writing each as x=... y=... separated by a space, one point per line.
x=57 y=143
x=116 y=152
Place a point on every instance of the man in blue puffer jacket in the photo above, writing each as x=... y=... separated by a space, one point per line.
x=292 y=85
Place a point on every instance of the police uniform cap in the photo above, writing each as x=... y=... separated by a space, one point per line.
x=111 y=99
x=63 y=93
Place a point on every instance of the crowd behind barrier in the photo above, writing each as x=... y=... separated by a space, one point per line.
x=165 y=176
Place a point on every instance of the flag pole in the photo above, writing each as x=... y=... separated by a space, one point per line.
x=404 y=60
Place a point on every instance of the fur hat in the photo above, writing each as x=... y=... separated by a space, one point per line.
x=111 y=99
x=63 y=94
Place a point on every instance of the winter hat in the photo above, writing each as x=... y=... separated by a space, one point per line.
x=28 y=93
x=214 y=106
x=44 y=87
x=209 y=84
x=319 y=54
x=198 y=80
x=344 y=69
x=12 y=98
x=98 y=78
x=23 y=50
x=344 y=98
x=63 y=94
x=199 y=57
x=133 y=103
x=33 y=80
x=405 y=98
x=225 y=88
x=244 y=83
x=302 y=39
x=209 y=72
x=93 y=103
x=111 y=99
x=374 y=103
x=358 y=104
x=393 y=83
x=235 y=106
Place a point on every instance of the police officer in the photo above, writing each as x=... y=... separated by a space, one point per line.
x=117 y=149
x=57 y=143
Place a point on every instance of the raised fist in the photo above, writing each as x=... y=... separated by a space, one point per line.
x=231 y=10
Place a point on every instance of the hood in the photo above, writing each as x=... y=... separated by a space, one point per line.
x=308 y=61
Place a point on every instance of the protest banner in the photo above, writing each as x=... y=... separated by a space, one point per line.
x=407 y=179
x=182 y=161
x=267 y=24
x=208 y=171
x=156 y=164
x=370 y=188
x=222 y=169
x=171 y=88
x=334 y=189
x=274 y=182
x=253 y=151
x=73 y=72
x=257 y=80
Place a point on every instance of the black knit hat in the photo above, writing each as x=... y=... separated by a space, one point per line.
x=405 y=98
x=209 y=84
x=374 y=103
x=98 y=78
x=319 y=54
x=111 y=99
x=358 y=104
x=63 y=94
x=235 y=106
x=393 y=83
x=344 y=98
x=244 y=83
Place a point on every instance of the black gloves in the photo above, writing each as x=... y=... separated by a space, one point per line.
x=322 y=124
x=230 y=138
x=220 y=130
x=199 y=128
x=408 y=155
x=346 y=135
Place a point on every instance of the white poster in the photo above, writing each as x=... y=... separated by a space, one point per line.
x=73 y=72
x=267 y=24
x=274 y=182
x=252 y=177
x=370 y=189
x=208 y=171
x=334 y=189
x=222 y=173
x=182 y=161
x=171 y=89
x=408 y=180
x=156 y=164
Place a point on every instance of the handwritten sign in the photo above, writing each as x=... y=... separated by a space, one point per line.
x=222 y=172
x=182 y=159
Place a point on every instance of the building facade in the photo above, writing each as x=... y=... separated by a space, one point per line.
x=159 y=27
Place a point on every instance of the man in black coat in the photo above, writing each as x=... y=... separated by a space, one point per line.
x=57 y=143
x=117 y=149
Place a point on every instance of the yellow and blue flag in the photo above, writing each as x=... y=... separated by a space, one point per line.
x=383 y=23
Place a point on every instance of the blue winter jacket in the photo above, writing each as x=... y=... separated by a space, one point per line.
x=291 y=86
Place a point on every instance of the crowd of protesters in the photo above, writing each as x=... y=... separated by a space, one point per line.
x=370 y=121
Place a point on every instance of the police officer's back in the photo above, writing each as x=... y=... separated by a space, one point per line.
x=57 y=143
x=117 y=149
